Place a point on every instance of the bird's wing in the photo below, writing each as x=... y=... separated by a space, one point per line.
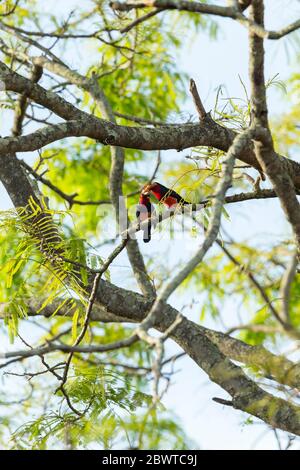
x=173 y=193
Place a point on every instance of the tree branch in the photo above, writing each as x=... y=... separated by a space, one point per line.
x=232 y=12
x=200 y=344
x=207 y=133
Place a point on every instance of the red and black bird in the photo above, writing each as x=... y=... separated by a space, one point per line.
x=144 y=211
x=167 y=196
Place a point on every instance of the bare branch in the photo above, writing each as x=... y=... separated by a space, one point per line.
x=197 y=100
x=234 y=12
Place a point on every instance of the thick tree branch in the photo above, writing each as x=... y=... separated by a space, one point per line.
x=134 y=308
x=116 y=191
x=207 y=133
x=200 y=344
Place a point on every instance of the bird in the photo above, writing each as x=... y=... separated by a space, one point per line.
x=145 y=210
x=167 y=196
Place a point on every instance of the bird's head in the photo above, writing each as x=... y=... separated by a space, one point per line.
x=144 y=199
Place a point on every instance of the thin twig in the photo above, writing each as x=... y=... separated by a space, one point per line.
x=140 y=20
x=222 y=401
x=70 y=198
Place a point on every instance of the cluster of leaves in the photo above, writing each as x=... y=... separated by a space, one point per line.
x=28 y=267
x=140 y=431
x=23 y=11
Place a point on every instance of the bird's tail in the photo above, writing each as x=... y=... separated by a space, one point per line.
x=195 y=206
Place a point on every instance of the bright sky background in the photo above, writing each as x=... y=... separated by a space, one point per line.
x=212 y=63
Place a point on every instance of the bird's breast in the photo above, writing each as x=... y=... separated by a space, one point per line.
x=170 y=201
